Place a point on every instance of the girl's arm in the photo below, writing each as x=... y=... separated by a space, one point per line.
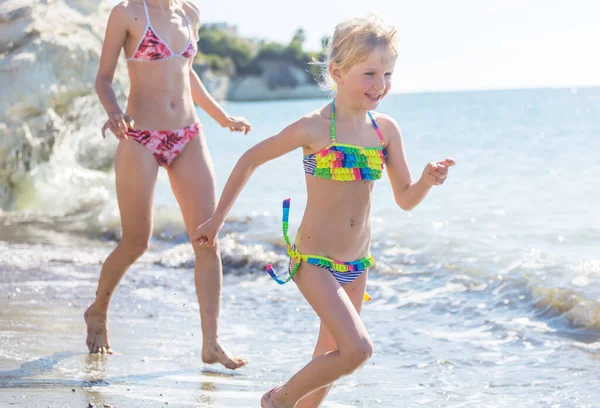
x=116 y=33
x=292 y=137
x=203 y=99
x=406 y=193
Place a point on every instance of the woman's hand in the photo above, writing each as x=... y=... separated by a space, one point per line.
x=118 y=123
x=237 y=124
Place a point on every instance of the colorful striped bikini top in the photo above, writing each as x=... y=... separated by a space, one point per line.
x=152 y=48
x=344 y=162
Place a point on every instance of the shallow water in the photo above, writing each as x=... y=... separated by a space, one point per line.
x=455 y=341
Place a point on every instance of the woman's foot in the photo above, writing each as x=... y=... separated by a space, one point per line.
x=271 y=400
x=213 y=353
x=97 y=331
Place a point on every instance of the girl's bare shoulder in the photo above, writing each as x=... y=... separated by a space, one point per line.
x=315 y=127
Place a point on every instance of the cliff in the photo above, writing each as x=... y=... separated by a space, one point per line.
x=280 y=80
x=49 y=54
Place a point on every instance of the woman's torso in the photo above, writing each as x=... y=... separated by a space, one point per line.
x=160 y=96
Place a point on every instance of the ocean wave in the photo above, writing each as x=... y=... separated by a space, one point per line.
x=557 y=294
x=576 y=310
x=237 y=257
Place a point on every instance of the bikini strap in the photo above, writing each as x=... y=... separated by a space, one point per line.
x=189 y=26
x=193 y=33
x=333 y=121
x=376 y=129
x=292 y=252
x=147 y=14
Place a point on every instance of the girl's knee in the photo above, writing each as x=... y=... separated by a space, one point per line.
x=363 y=350
x=359 y=353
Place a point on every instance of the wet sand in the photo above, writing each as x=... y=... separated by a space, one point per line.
x=154 y=330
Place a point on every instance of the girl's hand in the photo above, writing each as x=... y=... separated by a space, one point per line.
x=435 y=173
x=118 y=123
x=206 y=234
x=237 y=124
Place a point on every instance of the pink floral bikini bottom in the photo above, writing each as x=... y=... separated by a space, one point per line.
x=165 y=145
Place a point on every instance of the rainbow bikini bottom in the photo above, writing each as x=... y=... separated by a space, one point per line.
x=343 y=272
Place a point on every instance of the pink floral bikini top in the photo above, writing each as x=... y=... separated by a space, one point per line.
x=153 y=48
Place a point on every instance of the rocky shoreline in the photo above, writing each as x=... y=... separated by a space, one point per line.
x=256 y=88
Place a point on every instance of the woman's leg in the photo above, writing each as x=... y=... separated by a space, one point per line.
x=339 y=315
x=193 y=183
x=325 y=342
x=135 y=172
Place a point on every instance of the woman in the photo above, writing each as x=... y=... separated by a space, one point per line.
x=159 y=41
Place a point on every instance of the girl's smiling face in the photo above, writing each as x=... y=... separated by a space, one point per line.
x=368 y=81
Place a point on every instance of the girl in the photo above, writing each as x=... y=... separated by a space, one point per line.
x=159 y=41
x=346 y=146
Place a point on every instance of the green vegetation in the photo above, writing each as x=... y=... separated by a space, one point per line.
x=231 y=55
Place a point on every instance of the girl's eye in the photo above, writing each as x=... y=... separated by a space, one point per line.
x=369 y=73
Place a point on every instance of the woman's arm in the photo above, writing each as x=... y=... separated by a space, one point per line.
x=292 y=137
x=116 y=33
x=406 y=193
x=203 y=99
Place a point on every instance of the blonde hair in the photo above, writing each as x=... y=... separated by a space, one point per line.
x=352 y=42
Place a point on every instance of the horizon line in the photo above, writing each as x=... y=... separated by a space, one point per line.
x=494 y=89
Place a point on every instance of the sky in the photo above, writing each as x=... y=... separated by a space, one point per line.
x=447 y=45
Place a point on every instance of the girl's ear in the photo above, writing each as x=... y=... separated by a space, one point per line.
x=336 y=73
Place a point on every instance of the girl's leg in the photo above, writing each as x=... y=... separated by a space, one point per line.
x=326 y=343
x=193 y=182
x=337 y=312
x=135 y=172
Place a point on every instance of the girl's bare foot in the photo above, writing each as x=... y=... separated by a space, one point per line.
x=270 y=400
x=97 y=331
x=214 y=353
